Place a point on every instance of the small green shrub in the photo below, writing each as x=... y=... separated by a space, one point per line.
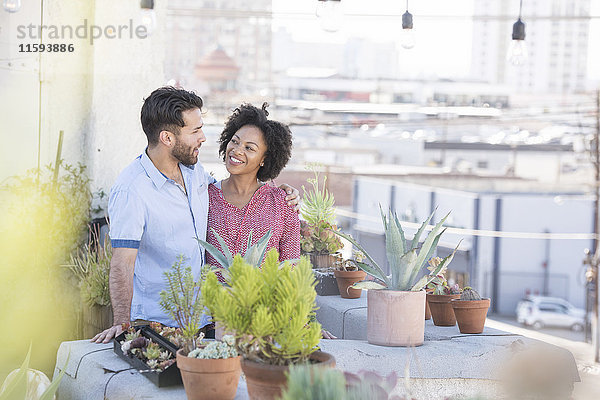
x=268 y=309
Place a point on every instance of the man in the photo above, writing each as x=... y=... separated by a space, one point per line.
x=157 y=207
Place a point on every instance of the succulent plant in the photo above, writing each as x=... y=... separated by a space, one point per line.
x=469 y=293
x=318 y=227
x=152 y=351
x=333 y=384
x=224 y=348
x=402 y=256
x=253 y=253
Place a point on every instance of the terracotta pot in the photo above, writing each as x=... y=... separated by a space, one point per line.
x=320 y=261
x=470 y=314
x=266 y=382
x=209 y=379
x=395 y=318
x=345 y=279
x=427 y=309
x=441 y=309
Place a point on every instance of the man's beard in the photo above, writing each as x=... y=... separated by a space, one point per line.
x=184 y=154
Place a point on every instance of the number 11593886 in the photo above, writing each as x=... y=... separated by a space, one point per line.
x=48 y=48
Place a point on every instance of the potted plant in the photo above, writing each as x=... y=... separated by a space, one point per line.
x=271 y=312
x=90 y=266
x=439 y=298
x=211 y=371
x=396 y=306
x=347 y=273
x=318 y=239
x=333 y=384
x=470 y=311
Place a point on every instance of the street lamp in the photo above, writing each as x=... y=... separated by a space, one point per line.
x=330 y=14
x=517 y=53
x=12 y=6
x=148 y=15
x=407 y=37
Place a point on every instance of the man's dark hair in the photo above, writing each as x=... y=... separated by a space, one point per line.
x=277 y=136
x=162 y=111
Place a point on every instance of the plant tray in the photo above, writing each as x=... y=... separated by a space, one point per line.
x=169 y=377
x=326 y=283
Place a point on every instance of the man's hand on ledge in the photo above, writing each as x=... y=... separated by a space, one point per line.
x=327 y=334
x=106 y=335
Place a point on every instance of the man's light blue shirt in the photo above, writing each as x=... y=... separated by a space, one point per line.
x=153 y=214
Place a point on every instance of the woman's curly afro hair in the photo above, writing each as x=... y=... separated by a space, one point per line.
x=277 y=136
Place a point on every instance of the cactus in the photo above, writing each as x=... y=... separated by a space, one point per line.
x=470 y=294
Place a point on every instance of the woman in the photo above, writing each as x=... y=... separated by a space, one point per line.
x=255 y=150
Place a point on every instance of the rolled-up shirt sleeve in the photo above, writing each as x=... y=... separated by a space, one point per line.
x=126 y=213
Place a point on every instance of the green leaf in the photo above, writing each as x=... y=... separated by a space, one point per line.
x=428 y=278
x=417 y=236
x=368 y=285
x=426 y=247
x=215 y=253
x=17 y=388
x=399 y=227
x=432 y=248
x=376 y=271
x=404 y=270
x=372 y=271
x=51 y=390
x=224 y=247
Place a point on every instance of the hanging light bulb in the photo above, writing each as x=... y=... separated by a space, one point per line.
x=12 y=6
x=407 y=37
x=330 y=14
x=148 y=15
x=517 y=52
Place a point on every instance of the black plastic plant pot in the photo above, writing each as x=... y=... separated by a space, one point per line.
x=170 y=376
x=326 y=284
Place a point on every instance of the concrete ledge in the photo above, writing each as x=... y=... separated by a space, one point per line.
x=447 y=364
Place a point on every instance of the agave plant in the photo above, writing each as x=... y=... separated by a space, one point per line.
x=403 y=258
x=253 y=254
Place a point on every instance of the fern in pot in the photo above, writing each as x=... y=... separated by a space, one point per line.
x=396 y=303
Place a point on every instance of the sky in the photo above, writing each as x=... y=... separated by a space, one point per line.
x=443 y=44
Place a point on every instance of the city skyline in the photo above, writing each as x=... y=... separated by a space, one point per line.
x=446 y=55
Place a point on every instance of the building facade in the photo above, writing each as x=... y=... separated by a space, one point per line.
x=556 y=38
x=241 y=28
x=503 y=268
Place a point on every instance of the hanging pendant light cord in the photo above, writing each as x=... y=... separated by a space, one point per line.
x=520 y=7
x=407 y=5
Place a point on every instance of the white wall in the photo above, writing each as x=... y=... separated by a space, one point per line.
x=94 y=93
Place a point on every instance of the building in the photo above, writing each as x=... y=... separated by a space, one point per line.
x=503 y=268
x=241 y=29
x=556 y=37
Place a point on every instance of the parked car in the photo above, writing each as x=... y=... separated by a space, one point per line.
x=540 y=311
